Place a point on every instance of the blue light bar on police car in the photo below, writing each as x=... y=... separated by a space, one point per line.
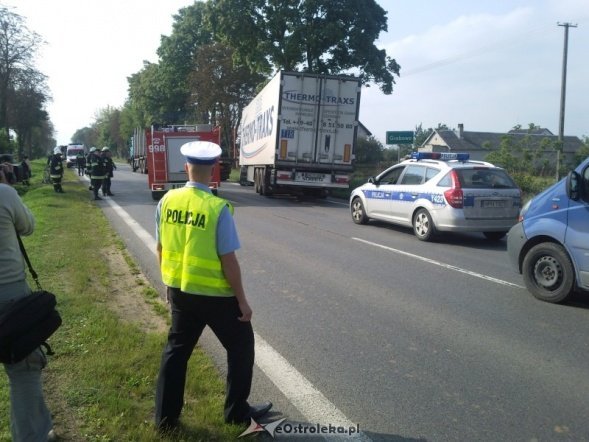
x=444 y=156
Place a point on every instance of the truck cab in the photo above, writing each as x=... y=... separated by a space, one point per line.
x=550 y=244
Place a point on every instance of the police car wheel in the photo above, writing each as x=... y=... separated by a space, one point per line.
x=423 y=226
x=548 y=272
x=358 y=212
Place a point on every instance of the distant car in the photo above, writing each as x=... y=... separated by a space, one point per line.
x=550 y=244
x=440 y=192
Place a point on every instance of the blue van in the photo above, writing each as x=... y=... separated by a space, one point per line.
x=550 y=244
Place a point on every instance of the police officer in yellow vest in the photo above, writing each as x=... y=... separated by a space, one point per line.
x=196 y=243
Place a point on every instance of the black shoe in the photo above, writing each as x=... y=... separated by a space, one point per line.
x=97 y=198
x=167 y=426
x=90 y=188
x=110 y=194
x=255 y=412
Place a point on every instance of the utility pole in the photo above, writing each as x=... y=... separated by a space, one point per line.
x=563 y=93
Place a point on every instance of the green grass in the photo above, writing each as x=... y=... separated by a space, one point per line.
x=100 y=384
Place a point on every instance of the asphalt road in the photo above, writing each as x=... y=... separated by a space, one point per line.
x=409 y=340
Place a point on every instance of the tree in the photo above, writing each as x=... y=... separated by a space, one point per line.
x=177 y=53
x=26 y=108
x=147 y=96
x=87 y=136
x=582 y=153
x=318 y=36
x=220 y=89
x=107 y=128
x=368 y=150
x=18 y=47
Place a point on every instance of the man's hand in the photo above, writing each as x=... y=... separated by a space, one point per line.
x=246 y=311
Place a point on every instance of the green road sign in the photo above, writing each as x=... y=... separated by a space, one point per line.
x=404 y=137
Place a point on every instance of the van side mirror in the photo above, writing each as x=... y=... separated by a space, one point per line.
x=573 y=185
x=372 y=180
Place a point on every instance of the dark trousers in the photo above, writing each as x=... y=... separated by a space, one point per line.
x=190 y=315
x=80 y=170
x=96 y=183
x=57 y=184
x=106 y=186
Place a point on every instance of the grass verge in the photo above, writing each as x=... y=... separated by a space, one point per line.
x=100 y=384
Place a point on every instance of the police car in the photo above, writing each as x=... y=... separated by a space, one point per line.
x=440 y=192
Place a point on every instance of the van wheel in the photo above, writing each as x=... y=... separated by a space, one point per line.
x=423 y=226
x=548 y=272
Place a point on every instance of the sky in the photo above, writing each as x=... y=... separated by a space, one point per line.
x=487 y=64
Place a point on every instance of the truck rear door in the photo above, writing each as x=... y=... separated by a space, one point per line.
x=318 y=119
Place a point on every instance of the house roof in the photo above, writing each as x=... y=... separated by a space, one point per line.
x=471 y=141
x=364 y=128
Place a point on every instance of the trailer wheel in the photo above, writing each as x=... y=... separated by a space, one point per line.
x=262 y=181
x=157 y=194
x=265 y=188
x=257 y=180
x=243 y=176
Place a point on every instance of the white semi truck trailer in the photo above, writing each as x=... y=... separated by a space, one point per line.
x=298 y=134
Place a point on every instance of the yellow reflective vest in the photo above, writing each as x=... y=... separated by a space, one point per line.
x=188 y=233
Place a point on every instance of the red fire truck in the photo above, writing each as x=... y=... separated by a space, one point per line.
x=164 y=164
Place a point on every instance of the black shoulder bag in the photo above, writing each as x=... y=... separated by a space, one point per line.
x=28 y=322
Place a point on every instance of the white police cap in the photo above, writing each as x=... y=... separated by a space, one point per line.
x=57 y=151
x=201 y=152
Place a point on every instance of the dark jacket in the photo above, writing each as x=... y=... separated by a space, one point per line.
x=56 y=166
x=96 y=165
x=110 y=165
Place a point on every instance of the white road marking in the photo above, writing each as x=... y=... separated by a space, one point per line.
x=309 y=401
x=441 y=264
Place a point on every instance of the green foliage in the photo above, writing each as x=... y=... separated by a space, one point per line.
x=318 y=36
x=22 y=87
x=583 y=153
x=220 y=89
x=368 y=150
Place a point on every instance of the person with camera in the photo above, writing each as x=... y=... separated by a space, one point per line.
x=30 y=419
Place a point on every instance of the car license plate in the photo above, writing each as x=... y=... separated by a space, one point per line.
x=309 y=176
x=493 y=204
